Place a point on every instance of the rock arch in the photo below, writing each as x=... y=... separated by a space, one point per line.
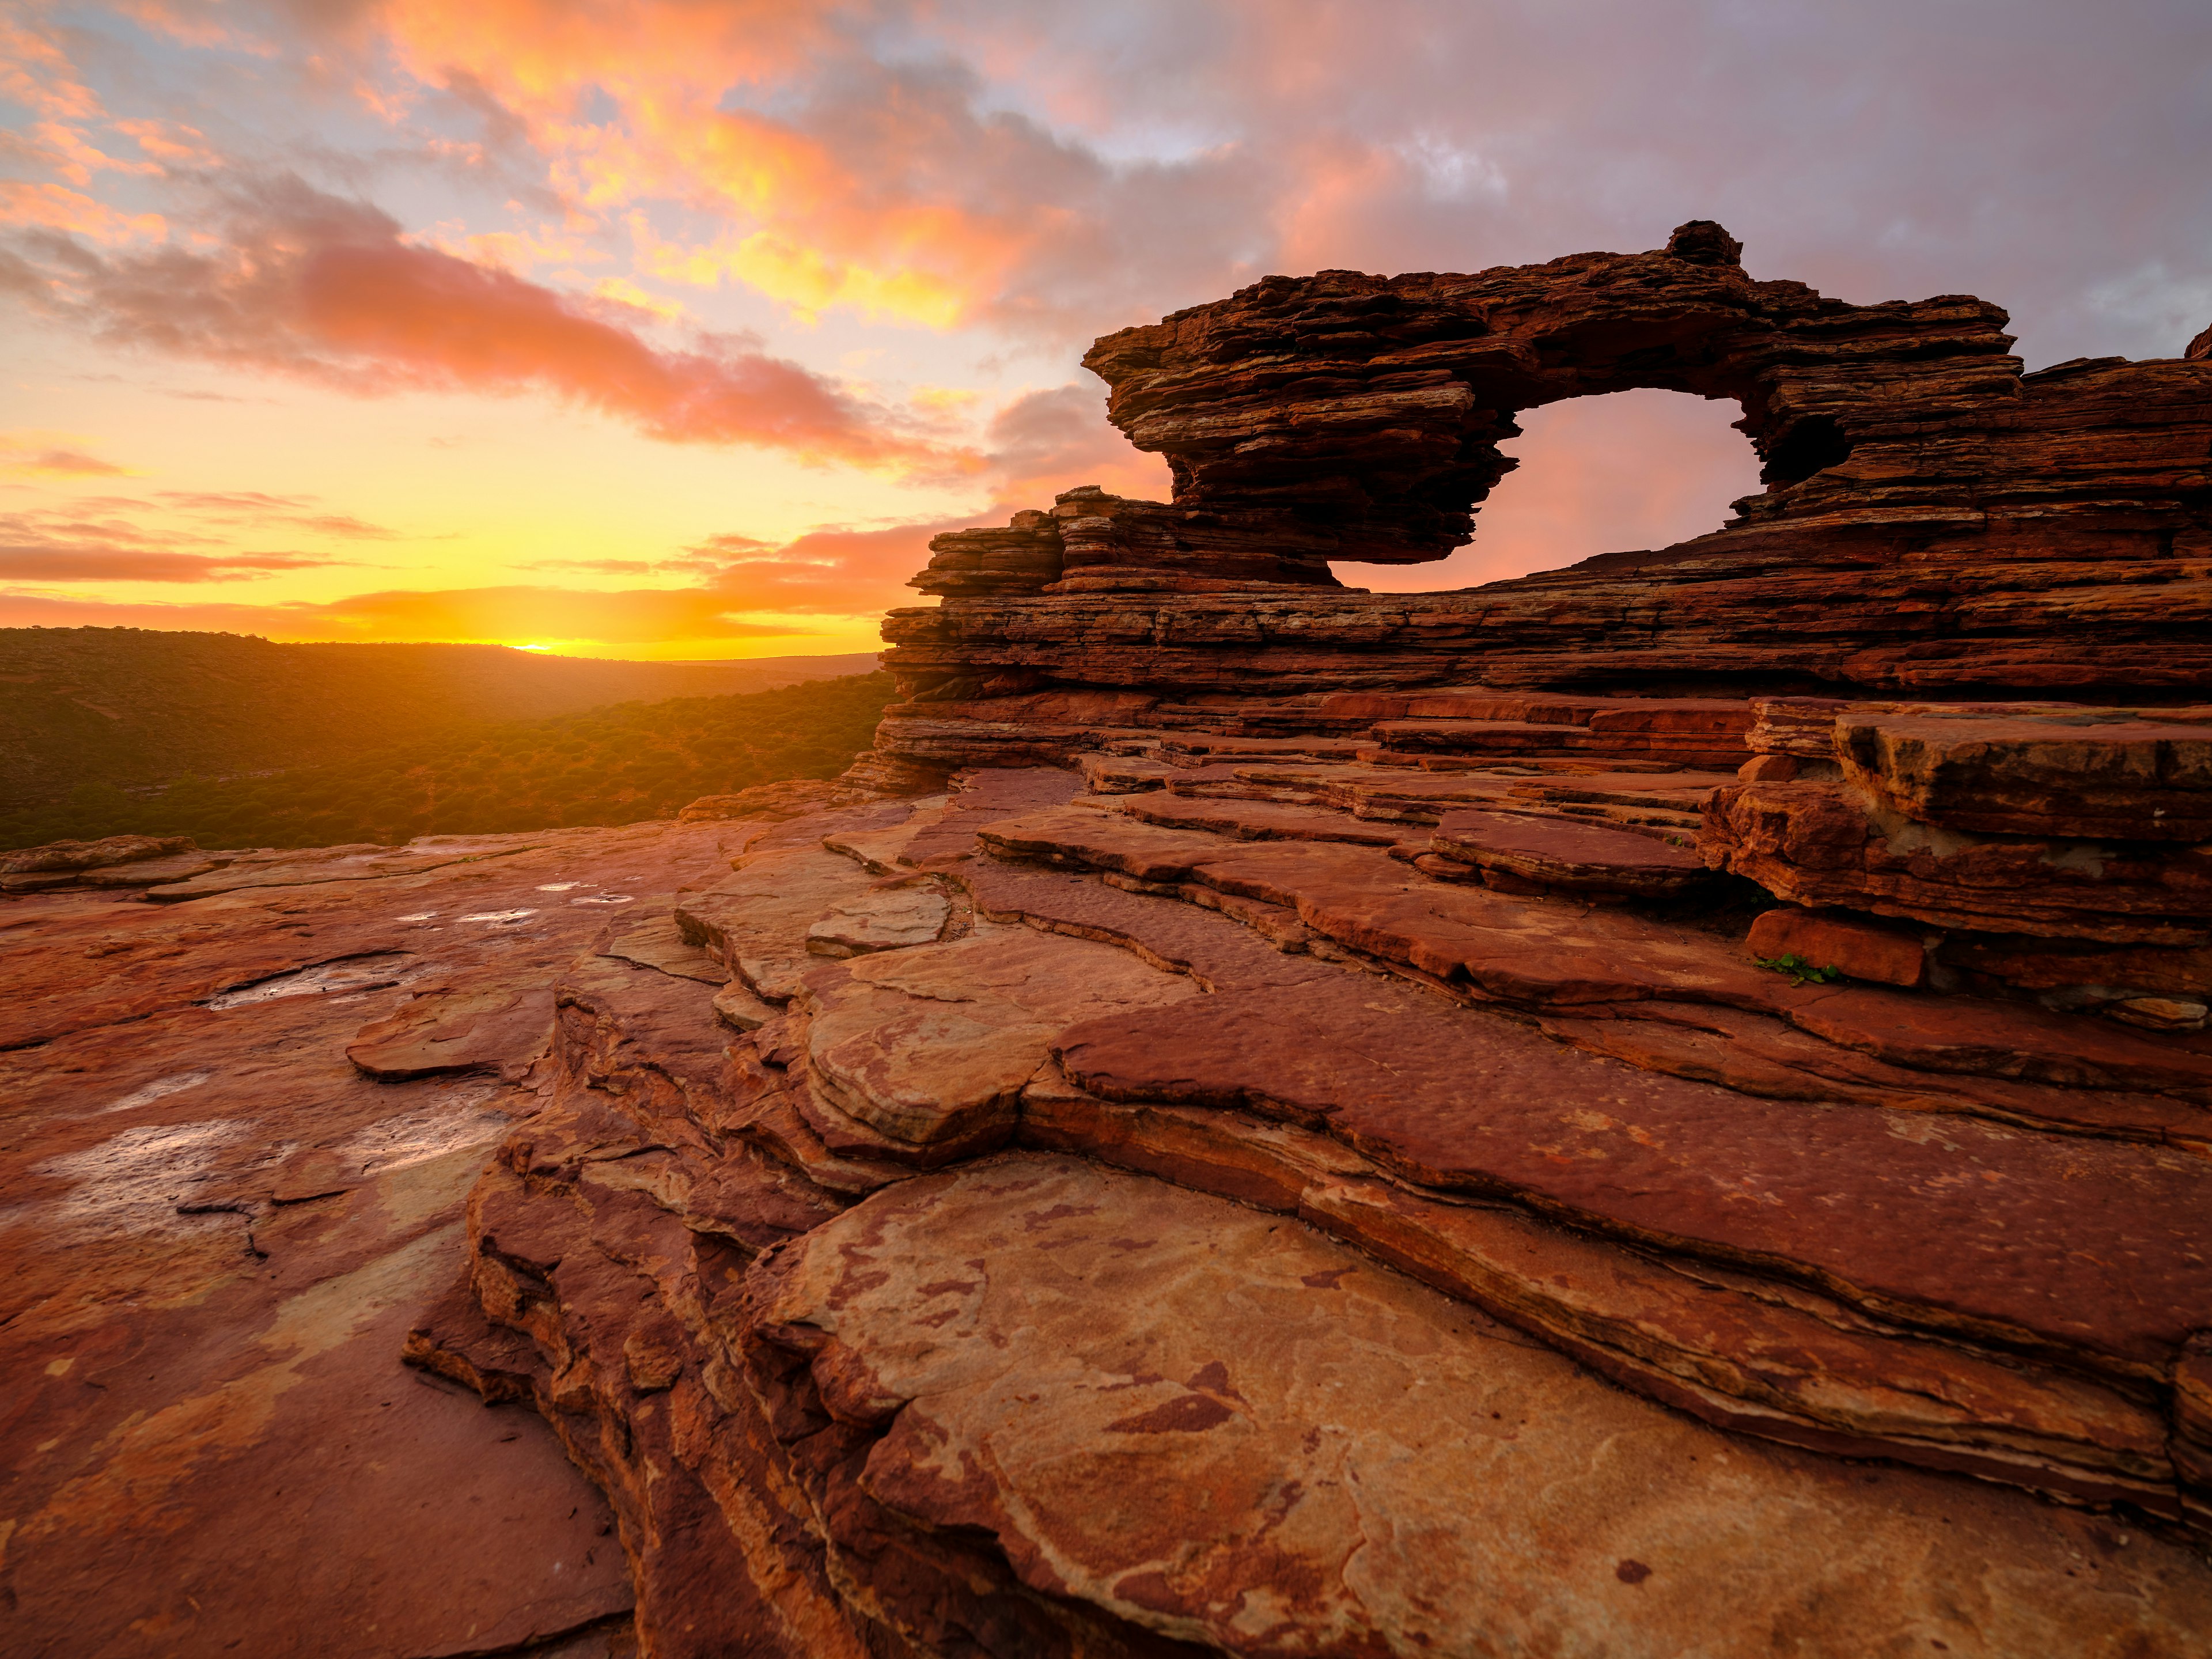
x=1934 y=521
x=1368 y=410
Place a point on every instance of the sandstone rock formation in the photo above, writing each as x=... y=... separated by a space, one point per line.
x=1935 y=520
x=1654 y=1108
x=1180 y=1251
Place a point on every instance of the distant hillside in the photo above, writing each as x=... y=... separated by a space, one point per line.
x=134 y=706
x=614 y=765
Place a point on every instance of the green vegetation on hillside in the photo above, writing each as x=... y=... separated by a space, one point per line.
x=614 y=765
x=136 y=707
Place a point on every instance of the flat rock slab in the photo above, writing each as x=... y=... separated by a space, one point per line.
x=1762 y=1055
x=1274 y=749
x=889 y=917
x=935 y=1043
x=2093 y=774
x=312 y=865
x=1479 y=736
x=86 y=961
x=1400 y=794
x=1857 y=949
x=1252 y=820
x=69 y=856
x=1223 y=1428
x=155 y=872
x=756 y=920
x=1548 y=956
x=878 y=850
x=1558 y=853
x=1733 y=1350
x=2082 y=1246
x=658 y=942
x=1220 y=954
x=1831 y=842
x=983 y=798
x=496 y=1028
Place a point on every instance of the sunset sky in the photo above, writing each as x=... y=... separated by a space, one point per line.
x=675 y=329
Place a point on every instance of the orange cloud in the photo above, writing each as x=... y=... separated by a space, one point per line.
x=170 y=142
x=58 y=208
x=638 y=615
x=66 y=464
x=1046 y=442
x=51 y=455
x=96 y=543
x=878 y=189
x=537 y=53
x=1043 y=442
x=171 y=536
x=309 y=284
x=94 y=564
x=836 y=570
x=37 y=74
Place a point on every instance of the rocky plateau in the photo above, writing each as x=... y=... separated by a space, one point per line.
x=1662 y=1108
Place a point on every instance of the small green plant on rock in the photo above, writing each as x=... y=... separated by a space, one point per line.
x=1800 y=970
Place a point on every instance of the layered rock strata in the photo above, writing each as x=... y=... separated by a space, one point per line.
x=1324 y=1139
x=1937 y=525
x=853 y=1297
x=2058 y=848
x=1935 y=521
x=112 y=861
x=1934 y=518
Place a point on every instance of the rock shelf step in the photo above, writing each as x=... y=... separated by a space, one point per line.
x=2085 y=1251
x=1555 y=852
x=1253 y=820
x=1613 y=975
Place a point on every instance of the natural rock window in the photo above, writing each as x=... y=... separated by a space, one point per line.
x=1619 y=470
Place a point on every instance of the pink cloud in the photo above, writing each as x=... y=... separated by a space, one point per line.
x=1046 y=172
x=58 y=208
x=312 y=285
x=97 y=541
x=174 y=536
x=1046 y=441
x=63 y=464
x=36 y=73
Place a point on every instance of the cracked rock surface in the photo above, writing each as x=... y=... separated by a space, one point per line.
x=220 y=1227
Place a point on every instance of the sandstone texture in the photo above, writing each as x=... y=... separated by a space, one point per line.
x=1659 y=1108
x=1183 y=1236
x=1226 y=1237
x=242 y=1127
